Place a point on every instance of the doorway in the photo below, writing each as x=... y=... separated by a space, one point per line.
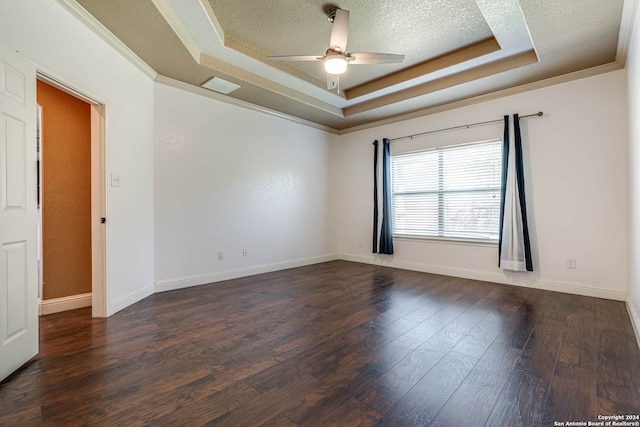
x=71 y=200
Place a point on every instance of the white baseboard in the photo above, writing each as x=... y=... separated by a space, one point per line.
x=543 y=284
x=635 y=319
x=56 y=305
x=127 y=300
x=202 y=279
x=549 y=285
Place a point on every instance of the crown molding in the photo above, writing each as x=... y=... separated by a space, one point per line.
x=552 y=81
x=177 y=27
x=424 y=68
x=627 y=24
x=101 y=31
x=486 y=70
x=246 y=76
x=167 y=81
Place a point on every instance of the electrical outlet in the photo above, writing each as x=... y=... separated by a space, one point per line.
x=571 y=263
x=245 y=252
x=115 y=180
x=220 y=255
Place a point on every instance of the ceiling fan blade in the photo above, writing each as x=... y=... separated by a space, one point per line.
x=296 y=58
x=373 y=58
x=340 y=31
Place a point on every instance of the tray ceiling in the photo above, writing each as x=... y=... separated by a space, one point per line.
x=454 y=49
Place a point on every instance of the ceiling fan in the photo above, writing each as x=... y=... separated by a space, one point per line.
x=336 y=58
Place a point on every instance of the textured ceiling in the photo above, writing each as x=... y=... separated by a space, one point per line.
x=294 y=27
x=454 y=49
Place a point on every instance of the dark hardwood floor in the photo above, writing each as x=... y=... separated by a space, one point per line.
x=340 y=344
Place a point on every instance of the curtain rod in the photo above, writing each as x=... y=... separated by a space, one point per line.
x=538 y=114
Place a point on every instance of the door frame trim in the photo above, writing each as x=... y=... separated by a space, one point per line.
x=98 y=193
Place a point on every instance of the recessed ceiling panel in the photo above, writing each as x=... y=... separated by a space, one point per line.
x=420 y=30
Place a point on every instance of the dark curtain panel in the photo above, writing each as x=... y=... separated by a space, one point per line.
x=514 y=250
x=386 y=233
x=521 y=193
x=375 y=196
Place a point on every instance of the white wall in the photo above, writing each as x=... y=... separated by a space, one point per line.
x=62 y=47
x=633 y=73
x=577 y=188
x=227 y=179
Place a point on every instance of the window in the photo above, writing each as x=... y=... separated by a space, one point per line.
x=448 y=193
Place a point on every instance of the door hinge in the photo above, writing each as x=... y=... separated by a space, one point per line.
x=103 y=220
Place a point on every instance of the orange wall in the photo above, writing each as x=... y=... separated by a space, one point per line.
x=66 y=193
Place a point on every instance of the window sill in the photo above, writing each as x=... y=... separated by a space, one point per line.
x=449 y=241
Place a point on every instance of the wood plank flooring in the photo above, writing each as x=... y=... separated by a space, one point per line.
x=338 y=343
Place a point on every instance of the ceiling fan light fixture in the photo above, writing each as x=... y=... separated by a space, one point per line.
x=335 y=65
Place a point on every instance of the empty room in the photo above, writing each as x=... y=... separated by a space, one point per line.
x=409 y=213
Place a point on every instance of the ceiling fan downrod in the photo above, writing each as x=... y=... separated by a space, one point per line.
x=331 y=14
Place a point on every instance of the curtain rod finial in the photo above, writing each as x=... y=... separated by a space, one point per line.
x=540 y=114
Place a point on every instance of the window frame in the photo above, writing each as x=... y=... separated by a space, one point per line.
x=441 y=238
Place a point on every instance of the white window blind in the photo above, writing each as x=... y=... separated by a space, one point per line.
x=451 y=192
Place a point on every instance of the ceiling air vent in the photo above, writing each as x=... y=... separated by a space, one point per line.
x=221 y=86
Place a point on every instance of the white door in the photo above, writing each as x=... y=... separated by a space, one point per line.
x=18 y=212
